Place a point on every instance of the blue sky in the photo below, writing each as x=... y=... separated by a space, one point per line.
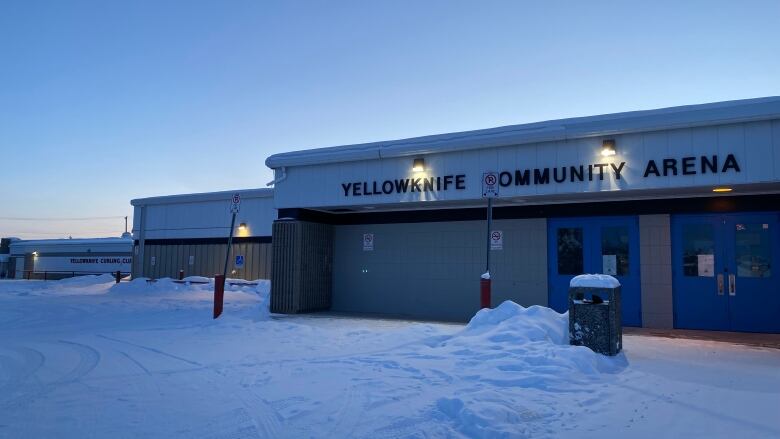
x=101 y=102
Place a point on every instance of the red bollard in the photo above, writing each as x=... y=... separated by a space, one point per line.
x=181 y=274
x=219 y=294
x=484 y=293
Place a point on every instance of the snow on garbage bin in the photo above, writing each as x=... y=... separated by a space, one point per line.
x=594 y=313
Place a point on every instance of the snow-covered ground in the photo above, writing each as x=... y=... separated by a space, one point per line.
x=87 y=358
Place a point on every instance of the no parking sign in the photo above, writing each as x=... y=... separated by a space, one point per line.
x=368 y=242
x=496 y=240
x=490 y=185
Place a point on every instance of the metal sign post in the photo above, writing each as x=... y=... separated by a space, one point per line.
x=235 y=206
x=219 y=280
x=489 y=191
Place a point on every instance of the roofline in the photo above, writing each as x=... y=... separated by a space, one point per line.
x=203 y=196
x=688 y=116
x=74 y=241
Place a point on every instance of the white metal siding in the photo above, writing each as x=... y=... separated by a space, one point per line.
x=754 y=144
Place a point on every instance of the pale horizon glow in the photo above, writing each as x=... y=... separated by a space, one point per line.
x=104 y=102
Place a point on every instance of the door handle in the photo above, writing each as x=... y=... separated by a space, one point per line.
x=720 y=284
x=732 y=284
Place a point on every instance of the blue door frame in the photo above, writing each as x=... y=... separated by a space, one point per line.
x=734 y=289
x=594 y=234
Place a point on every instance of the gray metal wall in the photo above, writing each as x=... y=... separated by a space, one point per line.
x=655 y=247
x=432 y=270
x=209 y=260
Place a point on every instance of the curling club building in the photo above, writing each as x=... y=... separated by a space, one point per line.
x=680 y=204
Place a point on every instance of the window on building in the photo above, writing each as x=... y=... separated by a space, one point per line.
x=570 y=259
x=614 y=250
x=698 y=250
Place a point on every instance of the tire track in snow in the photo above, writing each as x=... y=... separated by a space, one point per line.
x=156 y=351
x=233 y=424
x=264 y=416
x=136 y=362
x=32 y=360
x=89 y=358
x=347 y=416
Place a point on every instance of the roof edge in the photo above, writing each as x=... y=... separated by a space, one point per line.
x=203 y=196
x=687 y=116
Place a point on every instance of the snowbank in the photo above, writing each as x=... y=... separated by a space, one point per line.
x=144 y=292
x=535 y=323
x=594 y=281
x=537 y=341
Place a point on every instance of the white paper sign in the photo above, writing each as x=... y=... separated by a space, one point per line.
x=496 y=240
x=192 y=260
x=368 y=242
x=706 y=265
x=609 y=264
x=154 y=261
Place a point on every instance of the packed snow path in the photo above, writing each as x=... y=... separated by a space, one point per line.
x=85 y=358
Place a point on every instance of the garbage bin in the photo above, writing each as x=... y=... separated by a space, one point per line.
x=594 y=313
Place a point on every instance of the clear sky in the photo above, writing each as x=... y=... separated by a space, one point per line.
x=105 y=101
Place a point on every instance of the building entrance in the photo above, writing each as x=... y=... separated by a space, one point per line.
x=722 y=272
x=606 y=245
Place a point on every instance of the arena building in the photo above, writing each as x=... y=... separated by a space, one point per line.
x=680 y=204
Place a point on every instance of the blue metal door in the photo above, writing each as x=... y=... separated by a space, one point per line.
x=608 y=245
x=722 y=272
x=700 y=300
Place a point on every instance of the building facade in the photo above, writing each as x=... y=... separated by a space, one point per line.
x=680 y=204
x=189 y=233
x=62 y=258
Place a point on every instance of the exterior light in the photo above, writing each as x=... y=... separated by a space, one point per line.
x=35 y=253
x=419 y=165
x=242 y=226
x=722 y=189
x=608 y=148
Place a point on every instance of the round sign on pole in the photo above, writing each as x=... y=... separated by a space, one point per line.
x=489 y=185
x=235 y=203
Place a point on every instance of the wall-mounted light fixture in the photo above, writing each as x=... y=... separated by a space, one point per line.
x=608 y=147
x=418 y=165
x=35 y=253
x=242 y=226
x=722 y=189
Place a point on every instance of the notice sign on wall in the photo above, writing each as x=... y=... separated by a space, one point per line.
x=609 y=264
x=496 y=240
x=706 y=265
x=368 y=242
x=239 y=261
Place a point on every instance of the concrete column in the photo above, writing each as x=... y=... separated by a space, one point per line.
x=655 y=252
